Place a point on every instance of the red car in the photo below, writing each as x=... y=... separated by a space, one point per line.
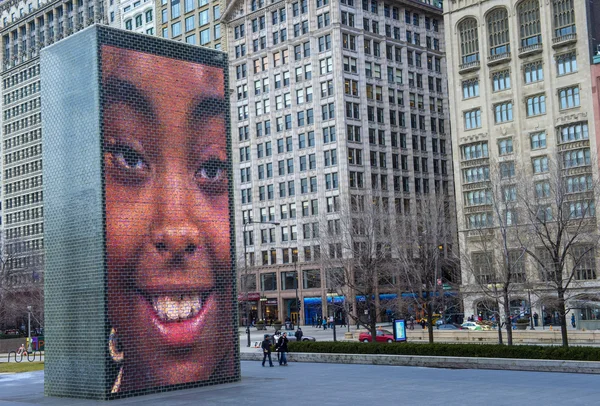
x=383 y=336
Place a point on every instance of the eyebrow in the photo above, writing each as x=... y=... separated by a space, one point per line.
x=204 y=107
x=122 y=91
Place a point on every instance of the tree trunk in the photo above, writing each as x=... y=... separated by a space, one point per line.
x=506 y=305
x=499 y=325
x=430 y=322
x=562 y=316
x=373 y=323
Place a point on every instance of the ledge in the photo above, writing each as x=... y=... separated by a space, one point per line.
x=537 y=365
x=469 y=67
x=498 y=59
x=564 y=40
x=530 y=50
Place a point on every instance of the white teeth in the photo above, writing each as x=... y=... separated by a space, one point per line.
x=180 y=307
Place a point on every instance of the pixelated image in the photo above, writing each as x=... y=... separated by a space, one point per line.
x=165 y=166
x=167 y=218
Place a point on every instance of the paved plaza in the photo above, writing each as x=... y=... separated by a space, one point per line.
x=340 y=384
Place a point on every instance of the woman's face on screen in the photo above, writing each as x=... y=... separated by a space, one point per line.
x=167 y=215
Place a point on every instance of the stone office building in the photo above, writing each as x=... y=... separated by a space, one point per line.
x=333 y=101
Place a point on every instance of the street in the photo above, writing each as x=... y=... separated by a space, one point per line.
x=339 y=384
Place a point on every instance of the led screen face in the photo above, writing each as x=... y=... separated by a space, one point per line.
x=170 y=289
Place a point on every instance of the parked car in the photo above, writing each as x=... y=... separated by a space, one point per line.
x=383 y=336
x=471 y=325
x=447 y=327
x=13 y=332
x=304 y=338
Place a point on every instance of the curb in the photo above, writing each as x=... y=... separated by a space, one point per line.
x=510 y=364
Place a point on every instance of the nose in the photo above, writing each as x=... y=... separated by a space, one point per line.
x=177 y=231
x=176 y=239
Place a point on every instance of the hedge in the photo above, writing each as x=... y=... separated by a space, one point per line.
x=451 y=350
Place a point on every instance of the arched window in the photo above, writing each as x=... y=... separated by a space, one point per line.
x=529 y=23
x=469 y=41
x=564 y=17
x=497 y=23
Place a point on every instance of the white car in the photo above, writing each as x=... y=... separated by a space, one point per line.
x=471 y=325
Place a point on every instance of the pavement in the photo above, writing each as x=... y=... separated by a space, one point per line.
x=338 y=384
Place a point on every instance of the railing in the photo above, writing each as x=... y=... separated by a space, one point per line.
x=29 y=354
x=564 y=39
x=530 y=49
x=499 y=58
x=469 y=66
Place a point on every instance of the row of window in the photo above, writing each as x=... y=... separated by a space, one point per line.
x=139 y=20
x=535 y=105
x=529 y=21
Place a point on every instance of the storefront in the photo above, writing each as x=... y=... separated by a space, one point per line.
x=271 y=310
x=313 y=309
x=248 y=305
x=336 y=308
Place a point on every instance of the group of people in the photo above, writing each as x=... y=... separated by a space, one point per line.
x=280 y=340
x=325 y=322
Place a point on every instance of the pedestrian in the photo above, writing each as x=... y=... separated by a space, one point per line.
x=299 y=334
x=573 y=320
x=266 y=346
x=319 y=321
x=535 y=318
x=331 y=321
x=324 y=323
x=344 y=321
x=423 y=323
x=282 y=348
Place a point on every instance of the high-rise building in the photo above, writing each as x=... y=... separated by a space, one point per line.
x=192 y=21
x=521 y=111
x=334 y=104
x=26 y=28
x=135 y=15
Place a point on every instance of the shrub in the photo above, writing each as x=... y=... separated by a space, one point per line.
x=451 y=350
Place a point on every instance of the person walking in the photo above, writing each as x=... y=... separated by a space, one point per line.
x=299 y=334
x=319 y=321
x=573 y=320
x=324 y=323
x=282 y=348
x=266 y=347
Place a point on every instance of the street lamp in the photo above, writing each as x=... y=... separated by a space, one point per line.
x=297 y=299
x=29 y=328
x=274 y=223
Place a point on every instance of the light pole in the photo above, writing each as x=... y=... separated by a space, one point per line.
x=29 y=328
x=274 y=223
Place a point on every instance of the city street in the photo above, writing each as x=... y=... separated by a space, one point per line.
x=340 y=384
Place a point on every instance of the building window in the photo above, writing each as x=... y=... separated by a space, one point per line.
x=536 y=105
x=529 y=23
x=569 y=97
x=469 y=41
x=474 y=151
x=538 y=140
x=204 y=37
x=533 y=72
x=503 y=112
x=540 y=164
x=497 y=23
x=576 y=158
x=564 y=17
x=585 y=259
x=505 y=146
x=566 y=63
x=501 y=80
x=470 y=88
x=573 y=132
x=472 y=119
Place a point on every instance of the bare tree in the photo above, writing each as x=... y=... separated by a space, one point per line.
x=21 y=284
x=425 y=239
x=496 y=259
x=357 y=258
x=561 y=229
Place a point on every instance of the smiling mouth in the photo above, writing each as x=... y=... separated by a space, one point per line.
x=174 y=307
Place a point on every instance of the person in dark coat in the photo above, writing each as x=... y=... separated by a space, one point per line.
x=266 y=347
x=282 y=348
x=299 y=334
